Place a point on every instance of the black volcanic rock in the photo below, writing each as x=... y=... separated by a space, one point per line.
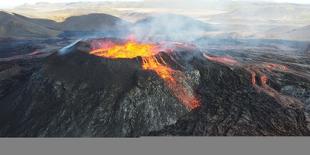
x=80 y=95
x=307 y=51
x=10 y=47
x=232 y=107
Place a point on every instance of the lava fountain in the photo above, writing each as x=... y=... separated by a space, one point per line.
x=150 y=61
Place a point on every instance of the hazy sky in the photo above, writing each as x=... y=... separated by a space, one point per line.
x=12 y=3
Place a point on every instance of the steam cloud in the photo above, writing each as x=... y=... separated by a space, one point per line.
x=163 y=27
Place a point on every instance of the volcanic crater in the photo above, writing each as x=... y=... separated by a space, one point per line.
x=90 y=89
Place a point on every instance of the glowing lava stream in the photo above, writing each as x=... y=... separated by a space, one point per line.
x=147 y=52
x=260 y=81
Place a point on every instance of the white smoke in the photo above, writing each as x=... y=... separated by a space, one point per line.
x=169 y=27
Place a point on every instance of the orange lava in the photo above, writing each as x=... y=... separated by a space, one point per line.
x=152 y=63
x=221 y=59
x=253 y=79
x=264 y=80
x=284 y=100
x=147 y=52
x=256 y=73
x=129 y=50
x=168 y=75
x=273 y=66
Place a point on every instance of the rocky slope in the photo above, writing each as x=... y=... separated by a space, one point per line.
x=232 y=107
x=81 y=95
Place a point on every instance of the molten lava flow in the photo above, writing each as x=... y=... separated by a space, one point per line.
x=151 y=63
x=166 y=73
x=221 y=59
x=129 y=50
x=253 y=79
x=264 y=80
x=273 y=66
x=284 y=100
x=260 y=80
x=147 y=52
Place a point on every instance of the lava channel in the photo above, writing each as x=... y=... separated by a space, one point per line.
x=148 y=52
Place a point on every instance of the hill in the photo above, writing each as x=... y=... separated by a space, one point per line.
x=299 y=34
x=91 y=22
x=13 y=25
x=18 y=26
x=302 y=33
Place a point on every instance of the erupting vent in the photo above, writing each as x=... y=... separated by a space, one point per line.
x=148 y=52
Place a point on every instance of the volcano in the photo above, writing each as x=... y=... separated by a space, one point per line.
x=126 y=88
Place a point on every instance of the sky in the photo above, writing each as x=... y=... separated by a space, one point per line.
x=12 y=3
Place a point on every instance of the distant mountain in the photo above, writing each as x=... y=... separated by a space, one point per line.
x=44 y=22
x=92 y=22
x=300 y=34
x=17 y=26
x=13 y=25
x=265 y=10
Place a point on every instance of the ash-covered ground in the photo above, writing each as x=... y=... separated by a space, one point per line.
x=244 y=88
